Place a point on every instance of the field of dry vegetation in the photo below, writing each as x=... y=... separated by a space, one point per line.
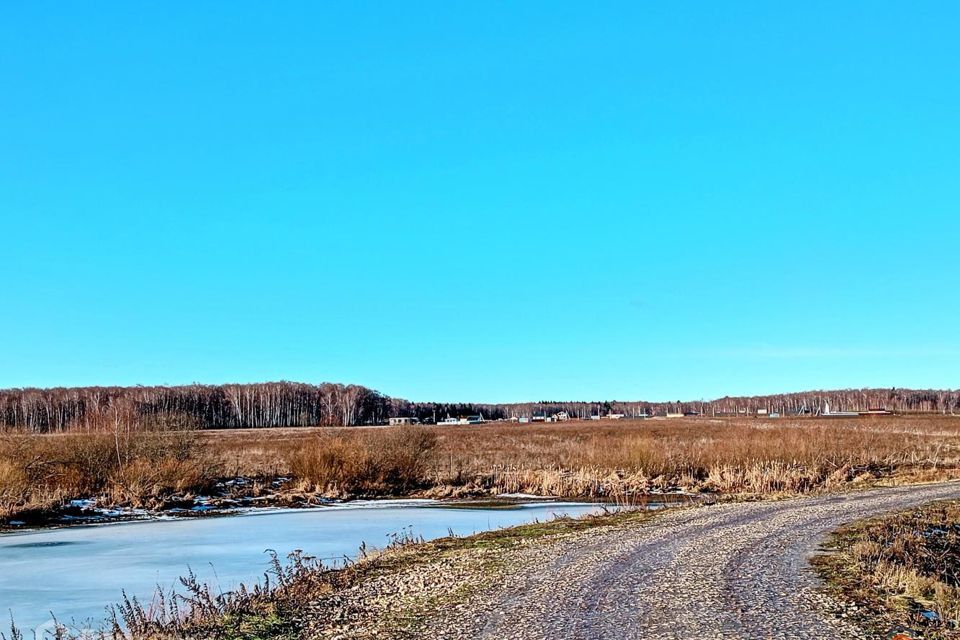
x=140 y=469
x=593 y=460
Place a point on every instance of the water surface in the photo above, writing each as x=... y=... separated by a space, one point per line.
x=76 y=572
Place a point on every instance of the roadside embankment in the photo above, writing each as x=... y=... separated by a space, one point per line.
x=902 y=570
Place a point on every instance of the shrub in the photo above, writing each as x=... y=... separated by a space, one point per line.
x=391 y=460
x=42 y=472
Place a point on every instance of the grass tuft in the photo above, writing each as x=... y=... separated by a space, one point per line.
x=904 y=568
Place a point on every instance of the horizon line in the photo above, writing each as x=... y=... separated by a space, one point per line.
x=473 y=402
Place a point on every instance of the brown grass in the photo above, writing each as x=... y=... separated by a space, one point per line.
x=39 y=473
x=382 y=461
x=591 y=459
x=901 y=565
x=745 y=456
x=606 y=460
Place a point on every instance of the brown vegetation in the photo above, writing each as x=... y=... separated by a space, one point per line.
x=139 y=469
x=603 y=459
x=382 y=461
x=904 y=567
x=732 y=456
x=608 y=460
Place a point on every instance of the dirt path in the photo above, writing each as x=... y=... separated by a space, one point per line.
x=728 y=571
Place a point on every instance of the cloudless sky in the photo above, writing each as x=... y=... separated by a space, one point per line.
x=481 y=200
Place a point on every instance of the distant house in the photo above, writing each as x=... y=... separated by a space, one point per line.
x=761 y=412
x=615 y=416
x=450 y=421
x=827 y=413
x=397 y=422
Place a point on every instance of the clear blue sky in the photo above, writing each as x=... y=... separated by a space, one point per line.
x=481 y=201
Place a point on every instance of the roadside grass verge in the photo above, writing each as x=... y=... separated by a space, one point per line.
x=902 y=570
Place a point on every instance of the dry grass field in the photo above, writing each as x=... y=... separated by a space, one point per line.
x=605 y=460
x=592 y=459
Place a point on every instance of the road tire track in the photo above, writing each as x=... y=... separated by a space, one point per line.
x=738 y=570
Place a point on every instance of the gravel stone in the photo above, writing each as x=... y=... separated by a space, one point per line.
x=733 y=570
x=725 y=571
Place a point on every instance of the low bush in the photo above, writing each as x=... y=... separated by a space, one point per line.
x=393 y=460
x=137 y=468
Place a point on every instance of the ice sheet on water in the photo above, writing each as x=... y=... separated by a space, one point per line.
x=138 y=556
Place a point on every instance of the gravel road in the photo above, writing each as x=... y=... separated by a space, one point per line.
x=724 y=571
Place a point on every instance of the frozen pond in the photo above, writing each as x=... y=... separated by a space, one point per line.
x=76 y=572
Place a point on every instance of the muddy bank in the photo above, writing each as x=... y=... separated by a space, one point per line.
x=229 y=496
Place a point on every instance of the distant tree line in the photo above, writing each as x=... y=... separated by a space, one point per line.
x=428 y=412
x=271 y=404
x=292 y=404
x=895 y=400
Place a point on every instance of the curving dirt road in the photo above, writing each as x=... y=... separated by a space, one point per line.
x=727 y=571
